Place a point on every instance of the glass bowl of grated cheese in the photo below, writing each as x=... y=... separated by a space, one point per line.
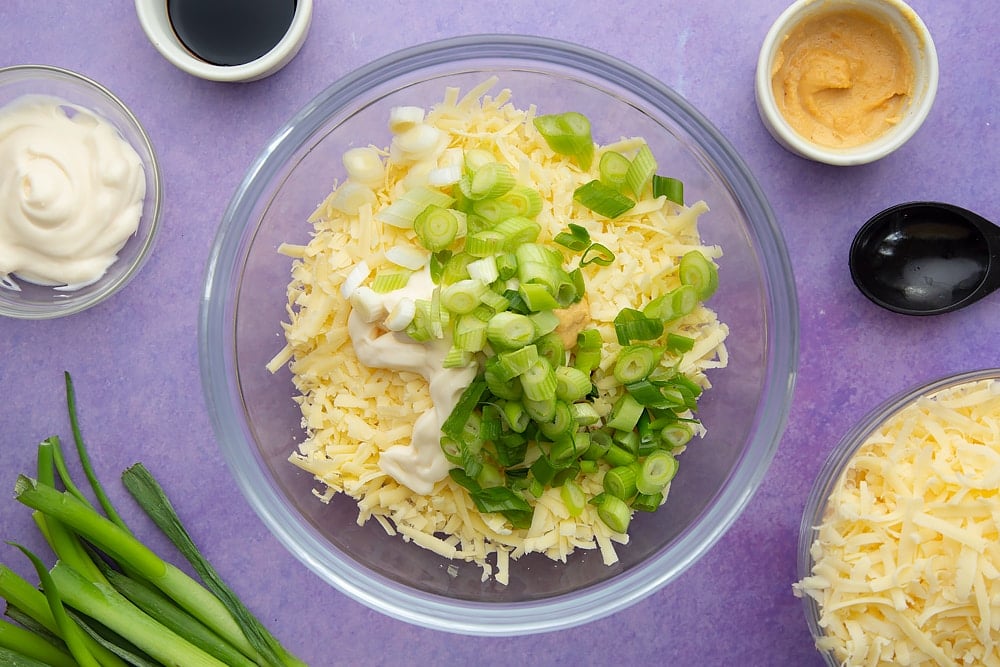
x=898 y=555
x=319 y=419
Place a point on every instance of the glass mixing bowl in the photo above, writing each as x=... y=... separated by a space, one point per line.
x=258 y=425
x=842 y=459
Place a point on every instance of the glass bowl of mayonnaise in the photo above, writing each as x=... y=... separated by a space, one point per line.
x=80 y=193
x=897 y=552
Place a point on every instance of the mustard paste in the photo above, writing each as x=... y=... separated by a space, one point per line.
x=842 y=78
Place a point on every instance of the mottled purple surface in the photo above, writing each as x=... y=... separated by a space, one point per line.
x=134 y=357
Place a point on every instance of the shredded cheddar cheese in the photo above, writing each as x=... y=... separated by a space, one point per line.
x=351 y=413
x=907 y=557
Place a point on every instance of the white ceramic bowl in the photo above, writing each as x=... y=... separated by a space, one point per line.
x=916 y=39
x=25 y=300
x=156 y=24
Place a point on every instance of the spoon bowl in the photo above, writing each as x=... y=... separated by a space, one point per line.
x=926 y=258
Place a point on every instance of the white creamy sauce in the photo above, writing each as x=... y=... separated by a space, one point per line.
x=420 y=464
x=71 y=192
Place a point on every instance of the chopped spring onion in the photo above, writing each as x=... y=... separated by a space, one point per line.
x=404 y=210
x=572 y=384
x=495 y=210
x=602 y=199
x=620 y=481
x=573 y=498
x=698 y=271
x=676 y=434
x=678 y=343
x=568 y=134
x=484 y=269
x=389 y=281
x=640 y=170
x=436 y=227
x=613 y=168
x=599 y=254
x=577 y=238
x=518 y=230
x=403 y=118
x=510 y=331
x=631 y=324
x=463 y=296
x=671 y=188
x=509 y=365
x=635 y=362
x=539 y=381
x=615 y=513
x=408 y=257
x=488 y=181
x=526 y=201
x=537 y=297
x=625 y=413
x=484 y=243
x=364 y=165
x=656 y=472
x=351 y=196
x=647 y=503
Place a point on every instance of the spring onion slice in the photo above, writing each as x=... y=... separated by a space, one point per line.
x=436 y=227
x=679 y=343
x=454 y=425
x=404 y=210
x=671 y=188
x=602 y=199
x=640 y=170
x=656 y=472
x=631 y=324
x=614 y=512
x=389 y=281
x=527 y=201
x=613 y=167
x=698 y=271
x=463 y=296
x=510 y=331
x=539 y=381
x=489 y=181
x=577 y=238
x=573 y=498
x=634 y=363
x=517 y=230
x=495 y=210
x=568 y=134
x=599 y=254
x=572 y=384
x=620 y=481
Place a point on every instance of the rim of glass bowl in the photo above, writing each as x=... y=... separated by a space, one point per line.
x=72 y=306
x=833 y=468
x=216 y=349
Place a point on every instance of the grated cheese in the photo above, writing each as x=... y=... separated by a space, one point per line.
x=351 y=413
x=907 y=557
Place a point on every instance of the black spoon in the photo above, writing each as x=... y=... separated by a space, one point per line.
x=926 y=258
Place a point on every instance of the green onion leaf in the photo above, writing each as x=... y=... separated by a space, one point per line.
x=602 y=199
x=598 y=254
x=671 y=188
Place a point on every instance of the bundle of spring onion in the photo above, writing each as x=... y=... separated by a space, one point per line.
x=109 y=599
x=566 y=279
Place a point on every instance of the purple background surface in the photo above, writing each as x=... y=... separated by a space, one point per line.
x=134 y=357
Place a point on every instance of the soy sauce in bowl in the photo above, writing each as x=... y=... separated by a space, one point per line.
x=230 y=32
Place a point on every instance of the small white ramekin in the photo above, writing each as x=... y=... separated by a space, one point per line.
x=156 y=24
x=919 y=45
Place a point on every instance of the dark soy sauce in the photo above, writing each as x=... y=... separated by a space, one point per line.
x=230 y=32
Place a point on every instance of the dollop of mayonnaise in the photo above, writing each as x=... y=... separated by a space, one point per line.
x=71 y=192
x=421 y=464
